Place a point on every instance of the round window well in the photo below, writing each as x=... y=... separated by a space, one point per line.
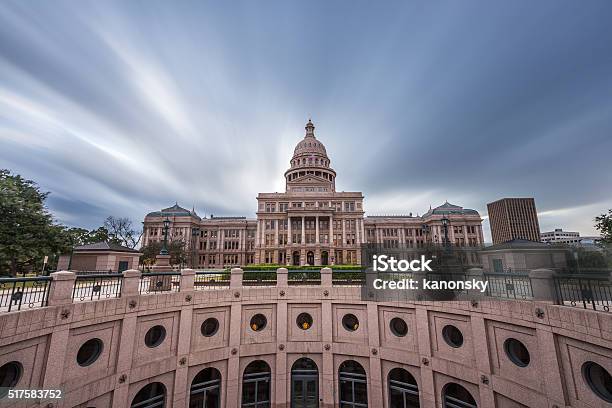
x=155 y=336
x=350 y=322
x=598 y=379
x=452 y=336
x=258 y=322
x=209 y=327
x=10 y=374
x=89 y=352
x=304 y=321
x=398 y=327
x=517 y=352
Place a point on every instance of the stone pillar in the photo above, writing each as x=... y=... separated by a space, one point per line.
x=326 y=277
x=289 y=237
x=426 y=388
x=282 y=277
x=62 y=286
x=317 y=229
x=131 y=282
x=476 y=274
x=276 y=233
x=344 y=233
x=236 y=278
x=543 y=285
x=162 y=263
x=187 y=280
x=303 y=230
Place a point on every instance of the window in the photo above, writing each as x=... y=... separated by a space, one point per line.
x=256 y=385
x=398 y=327
x=455 y=396
x=304 y=321
x=150 y=396
x=517 y=352
x=350 y=322
x=598 y=379
x=209 y=327
x=155 y=336
x=258 y=322
x=89 y=352
x=10 y=374
x=353 y=385
x=206 y=389
x=452 y=336
x=403 y=389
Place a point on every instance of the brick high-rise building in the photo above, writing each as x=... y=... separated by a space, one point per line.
x=513 y=218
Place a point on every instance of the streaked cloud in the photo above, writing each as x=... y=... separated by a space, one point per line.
x=125 y=107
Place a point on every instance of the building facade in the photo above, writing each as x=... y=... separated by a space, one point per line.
x=310 y=223
x=513 y=218
x=558 y=236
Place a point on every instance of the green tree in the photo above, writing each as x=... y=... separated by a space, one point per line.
x=604 y=226
x=176 y=250
x=27 y=230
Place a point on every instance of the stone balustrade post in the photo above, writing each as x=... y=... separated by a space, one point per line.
x=62 y=287
x=477 y=275
x=131 y=282
x=326 y=277
x=187 y=280
x=236 y=278
x=543 y=285
x=282 y=277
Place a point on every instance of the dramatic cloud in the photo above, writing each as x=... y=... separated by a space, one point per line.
x=126 y=107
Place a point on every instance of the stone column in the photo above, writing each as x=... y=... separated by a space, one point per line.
x=326 y=277
x=236 y=278
x=282 y=277
x=331 y=232
x=317 y=229
x=187 y=280
x=303 y=230
x=276 y=232
x=543 y=285
x=131 y=282
x=62 y=286
x=289 y=238
x=343 y=232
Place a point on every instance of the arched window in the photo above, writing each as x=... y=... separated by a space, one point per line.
x=403 y=389
x=256 y=385
x=150 y=396
x=455 y=396
x=206 y=389
x=353 y=385
x=304 y=384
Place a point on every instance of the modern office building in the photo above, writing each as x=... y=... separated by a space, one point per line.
x=310 y=223
x=558 y=236
x=513 y=218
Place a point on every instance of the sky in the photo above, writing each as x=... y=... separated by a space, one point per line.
x=122 y=108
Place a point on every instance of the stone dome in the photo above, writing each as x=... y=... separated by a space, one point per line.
x=310 y=144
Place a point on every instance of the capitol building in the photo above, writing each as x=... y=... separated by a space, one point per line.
x=202 y=337
x=310 y=223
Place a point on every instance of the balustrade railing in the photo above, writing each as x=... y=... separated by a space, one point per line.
x=591 y=291
x=97 y=286
x=259 y=278
x=303 y=277
x=588 y=291
x=348 y=277
x=509 y=285
x=18 y=293
x=159 y=282
x=211 y=279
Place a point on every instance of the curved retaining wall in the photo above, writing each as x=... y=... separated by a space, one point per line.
x=559 y=340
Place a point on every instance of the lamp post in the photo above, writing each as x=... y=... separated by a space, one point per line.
x=445 y=223
x=194 y=234
x=164 y=249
